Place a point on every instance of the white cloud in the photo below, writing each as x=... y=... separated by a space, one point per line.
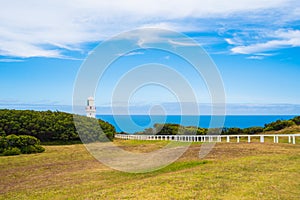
x=10 y=60
x=285 y=39
x=39 y=28
x=230 y=41
x=178 y=43
x=23 y=49
x=255 y=57
x=182 y=27
x=133 y=53
x=259 y=56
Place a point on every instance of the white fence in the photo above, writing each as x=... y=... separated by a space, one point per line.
x=209 y=138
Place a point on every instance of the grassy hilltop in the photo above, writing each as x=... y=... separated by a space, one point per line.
x=230 y=171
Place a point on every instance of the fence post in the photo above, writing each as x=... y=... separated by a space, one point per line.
x=294 y=139
x=262 y=139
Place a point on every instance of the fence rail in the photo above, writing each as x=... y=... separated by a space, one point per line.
x=291 y=138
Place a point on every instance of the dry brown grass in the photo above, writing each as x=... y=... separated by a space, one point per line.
x=288 y=130
x=233 y=171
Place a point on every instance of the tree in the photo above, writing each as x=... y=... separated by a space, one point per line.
x=50 y=126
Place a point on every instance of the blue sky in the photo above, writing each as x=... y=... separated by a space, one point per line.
x=254 y=44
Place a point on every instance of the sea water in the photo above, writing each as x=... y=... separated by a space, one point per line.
x=137 y=123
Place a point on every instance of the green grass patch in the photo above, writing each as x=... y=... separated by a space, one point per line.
x=176 y=166
x=230 y=171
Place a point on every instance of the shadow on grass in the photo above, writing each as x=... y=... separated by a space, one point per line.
x=174 y=167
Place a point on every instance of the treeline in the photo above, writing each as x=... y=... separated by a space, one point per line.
x=49 y=126
x=273 y=126
x=22 y=144
x=175 y=129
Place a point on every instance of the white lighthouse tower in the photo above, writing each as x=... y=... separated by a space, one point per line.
x=90 y=108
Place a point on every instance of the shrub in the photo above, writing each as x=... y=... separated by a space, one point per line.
x=202 y=131
x=2 y=132
x=48 y=126
x=253 y=130
x=39 y=148
x=278 y=125
x=12 y=151
x=13 y=141
x=232 y=131
x=296 y=120
x=15 y=145
x=3 y=144
x=32 y=149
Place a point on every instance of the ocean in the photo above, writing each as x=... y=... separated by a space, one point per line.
x=136 y=123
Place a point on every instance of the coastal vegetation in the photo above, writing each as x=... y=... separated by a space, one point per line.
x=54 y=127
x=22 y=144
x=62 y=128
x=22 y=130
x=283 y=126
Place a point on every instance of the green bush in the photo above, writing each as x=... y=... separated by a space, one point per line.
x=32 y=149
x=12 y=151
x=48 y=126
x=173 y=129
x=296 y=120
x=202 y=131
x=3 y=144
x=232 y=131
x=253 y=130
x=278 y=125
x=39 y=148
x=166 y=129
x=15 y=145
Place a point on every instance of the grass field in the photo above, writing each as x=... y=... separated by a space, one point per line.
x=230 y=171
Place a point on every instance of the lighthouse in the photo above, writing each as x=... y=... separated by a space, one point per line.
x=90 y=108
